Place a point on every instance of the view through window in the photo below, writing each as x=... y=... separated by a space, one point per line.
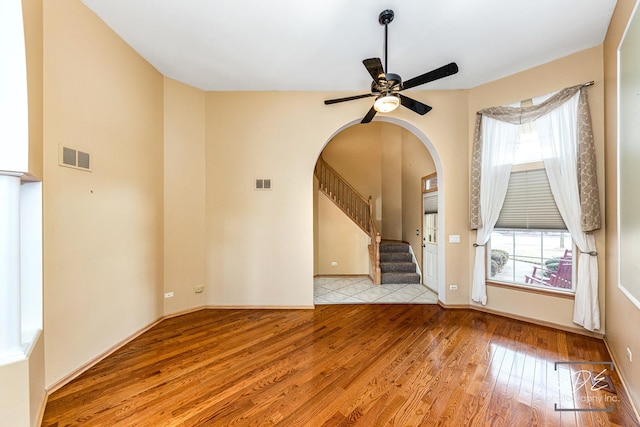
x=532 y=257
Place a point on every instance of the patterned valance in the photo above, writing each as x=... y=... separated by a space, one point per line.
x=586 y=156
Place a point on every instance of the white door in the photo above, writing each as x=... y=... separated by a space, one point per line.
x=430 y=241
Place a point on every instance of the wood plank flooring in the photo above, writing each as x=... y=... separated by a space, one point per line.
x=338 y=365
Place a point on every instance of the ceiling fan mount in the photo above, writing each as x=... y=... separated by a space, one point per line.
x=386 y=16
x=386 y=86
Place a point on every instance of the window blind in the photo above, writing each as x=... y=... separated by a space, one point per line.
x=529 y=203
x=430 y=203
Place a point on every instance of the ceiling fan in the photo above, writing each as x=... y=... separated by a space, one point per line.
x=386 y=86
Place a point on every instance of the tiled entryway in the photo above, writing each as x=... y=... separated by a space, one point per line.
x=360 y=290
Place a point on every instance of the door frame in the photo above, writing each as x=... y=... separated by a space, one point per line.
x=429 y=184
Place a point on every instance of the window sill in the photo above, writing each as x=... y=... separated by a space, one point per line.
x=534 y=290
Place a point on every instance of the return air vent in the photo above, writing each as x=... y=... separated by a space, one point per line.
x=75 y=159
x=263 y=184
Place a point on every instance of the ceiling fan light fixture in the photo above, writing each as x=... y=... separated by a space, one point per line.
x=386 y=103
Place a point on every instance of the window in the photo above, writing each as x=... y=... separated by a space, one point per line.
x=563 y=124
x=430 y=183
x=535 y=258
x=530 y=244
x=528 y=146
x=430 y=204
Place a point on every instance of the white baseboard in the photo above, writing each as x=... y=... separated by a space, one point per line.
x=86 y=366
x=622 y=379
x=576 y=329
x=260 y=307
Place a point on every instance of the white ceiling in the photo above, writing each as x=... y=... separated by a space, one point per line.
x=292 y=45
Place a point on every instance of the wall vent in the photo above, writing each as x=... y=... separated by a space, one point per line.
x=68 y=156
x=73 y=158
x=84 y=160
x=263 y=184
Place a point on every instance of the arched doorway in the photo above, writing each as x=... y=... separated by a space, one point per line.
x=352 y=149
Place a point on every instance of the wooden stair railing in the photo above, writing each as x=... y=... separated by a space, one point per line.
x=374 y=247
x=355 y=206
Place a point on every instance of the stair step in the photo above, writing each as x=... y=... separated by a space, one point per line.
x=395 y=257
x=397 y=267
x=389 y=246
x=393 y=278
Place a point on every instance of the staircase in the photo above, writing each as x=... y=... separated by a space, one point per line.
x=396 y=263
x=391 y=261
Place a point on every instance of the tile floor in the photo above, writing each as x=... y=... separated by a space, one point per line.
x=360 y=289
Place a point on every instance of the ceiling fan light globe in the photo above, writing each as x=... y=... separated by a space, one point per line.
x=386 y=103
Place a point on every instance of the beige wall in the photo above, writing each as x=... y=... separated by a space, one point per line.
x=574 y=69
x=621 y=314
x=416 y=163
x=102 y=230
x=253 y=236
x=260 y=243
x=184 y=196
x=391 y=169
x=340 y=240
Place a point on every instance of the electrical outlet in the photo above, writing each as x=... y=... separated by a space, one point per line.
x=453 y=287
x=199 y=289
x=629 y=355
x=334 y=263
x=168 y=294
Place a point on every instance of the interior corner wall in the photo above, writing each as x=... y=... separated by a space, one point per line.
x=356 y=154
x=571 y=70
x=391 y=169
x=416 y=163
x=32 y=15
x=184 y=197
x=620 y=312
x=103 y=233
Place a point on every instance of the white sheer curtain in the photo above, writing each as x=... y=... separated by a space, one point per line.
x=498 y=151
x=558 y=135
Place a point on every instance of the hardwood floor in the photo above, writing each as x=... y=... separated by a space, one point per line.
x=399 y=365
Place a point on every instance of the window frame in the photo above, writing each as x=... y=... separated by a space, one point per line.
x=530 y=286
x=521 y=167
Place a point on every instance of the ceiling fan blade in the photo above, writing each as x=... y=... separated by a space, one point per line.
x=369 y=116
x=414 y=105
x=374 y=67
x=348 y=98
x=436 y=74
